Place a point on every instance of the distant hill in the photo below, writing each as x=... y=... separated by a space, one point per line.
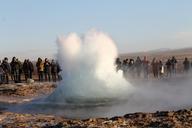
x=161 y=53
x=159 y=50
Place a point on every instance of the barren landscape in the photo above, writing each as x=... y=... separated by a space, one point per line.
x=160 y=119
x=13 y=94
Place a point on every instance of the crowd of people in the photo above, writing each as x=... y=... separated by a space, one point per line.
x=50 y=70
x=46 y=70
x=143 y=67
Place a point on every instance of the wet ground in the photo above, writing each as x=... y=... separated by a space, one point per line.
x=170 y=94
x=166 y=94
x=165 y=119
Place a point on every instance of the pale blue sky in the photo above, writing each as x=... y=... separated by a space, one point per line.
x=31 y=26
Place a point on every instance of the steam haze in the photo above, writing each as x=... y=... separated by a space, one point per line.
x=88 y=68
x=91 y=87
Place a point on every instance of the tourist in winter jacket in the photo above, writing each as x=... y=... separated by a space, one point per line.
x=138 y=66
x=40 y=68
x=173 y=65
x=16 y=70
x=31 y=69
x=7 y=69
x=186 y=65
x=54 y=70
x=47 y=70
x=145 y=65
x=155 y=67
x=1 y=74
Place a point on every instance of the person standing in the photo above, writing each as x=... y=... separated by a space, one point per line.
x=1 y=74
x=13 y=68
x=173 y=65
x=186 y=65
x=131 y=67
x=155 y=67
x=7 y=69
x=40 y=69
x=47 y=70
x=58 y=71
x=16 y=70
x=54 y=70
x=118 y=64
x=168 y=67
x=191 y=64
x=138 y=66
x=161 y=69
x=125 y=68
x=26 y=70
x=145 y=65
x=31 y=69
x=19 y=68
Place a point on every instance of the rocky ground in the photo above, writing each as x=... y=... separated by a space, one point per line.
x=22 y=92
x=177 y=119
x=23 y=89
x=19 y=93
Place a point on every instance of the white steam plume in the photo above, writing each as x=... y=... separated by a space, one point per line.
x=89 y=76
x=88 y=68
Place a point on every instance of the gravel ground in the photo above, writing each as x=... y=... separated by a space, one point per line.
x=19 y=93
x=177 y=119
x=22 y=92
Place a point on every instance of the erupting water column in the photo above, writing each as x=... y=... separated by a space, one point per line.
x=88 y=69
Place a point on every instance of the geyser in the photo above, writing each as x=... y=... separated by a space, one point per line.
x=88 y=69
x=92 y=88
